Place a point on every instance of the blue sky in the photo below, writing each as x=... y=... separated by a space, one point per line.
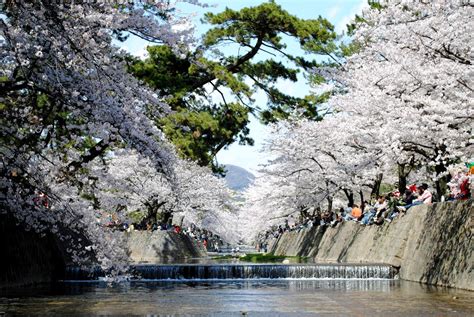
x=338 y=12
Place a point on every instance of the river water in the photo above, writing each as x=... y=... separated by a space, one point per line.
x=272 y=297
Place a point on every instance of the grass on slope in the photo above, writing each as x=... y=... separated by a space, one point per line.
x=270 y=258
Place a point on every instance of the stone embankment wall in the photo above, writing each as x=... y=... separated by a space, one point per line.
x=162 y=246
x=431 y=244
x=27 y=257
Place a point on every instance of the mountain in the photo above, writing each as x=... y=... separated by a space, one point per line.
x=238 y=178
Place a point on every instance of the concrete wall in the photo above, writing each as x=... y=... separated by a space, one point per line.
x=431 y=244
x=162 y=246
x=27 y=257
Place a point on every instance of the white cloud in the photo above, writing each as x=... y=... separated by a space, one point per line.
x=357 y=9
x=333 y=12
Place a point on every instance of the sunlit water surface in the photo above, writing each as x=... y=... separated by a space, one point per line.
x=239 y=298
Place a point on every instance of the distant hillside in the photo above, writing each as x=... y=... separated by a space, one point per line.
x=238 y=178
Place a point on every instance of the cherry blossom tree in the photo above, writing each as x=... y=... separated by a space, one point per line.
x=402 y=102
x=313 y=165
x=204 y=199
x=413 y=80
x=67 y=100
x=128 y=183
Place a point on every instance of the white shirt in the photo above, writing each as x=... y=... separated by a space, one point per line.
x=426 y=197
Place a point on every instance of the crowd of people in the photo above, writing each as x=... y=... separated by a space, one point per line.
x=209 y=240
x=384 y=209
x=203 y=238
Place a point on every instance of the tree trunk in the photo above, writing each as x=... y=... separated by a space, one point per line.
x=168 y=217
x=329 y=199
x=350 y=197
x=362 y=203
x=376 y=188
x=152 y=210
x=441 y=184
x=402 y=178
x=304 y=211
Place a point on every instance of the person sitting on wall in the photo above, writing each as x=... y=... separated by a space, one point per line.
x=464 y=190
x=425 y=197
x=291 y=222
x=408 y=199
x=347 y=210
x=356 y=213
x=379 y=207
x=326 y=218
x=412 y=188
x=459 y=185
x=470 y=175
x=336 y=219
x=365 y=204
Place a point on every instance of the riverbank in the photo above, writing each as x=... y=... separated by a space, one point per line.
x=162 y=247
x=27 y=257
x=431 y=244
x=31 y=258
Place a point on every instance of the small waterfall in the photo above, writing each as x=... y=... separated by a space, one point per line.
x=244 y=271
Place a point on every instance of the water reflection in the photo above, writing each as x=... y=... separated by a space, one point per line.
x=255 y=298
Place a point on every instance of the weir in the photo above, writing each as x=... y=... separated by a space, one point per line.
x=243 y=271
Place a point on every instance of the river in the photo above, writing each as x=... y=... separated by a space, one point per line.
x=265 y=297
